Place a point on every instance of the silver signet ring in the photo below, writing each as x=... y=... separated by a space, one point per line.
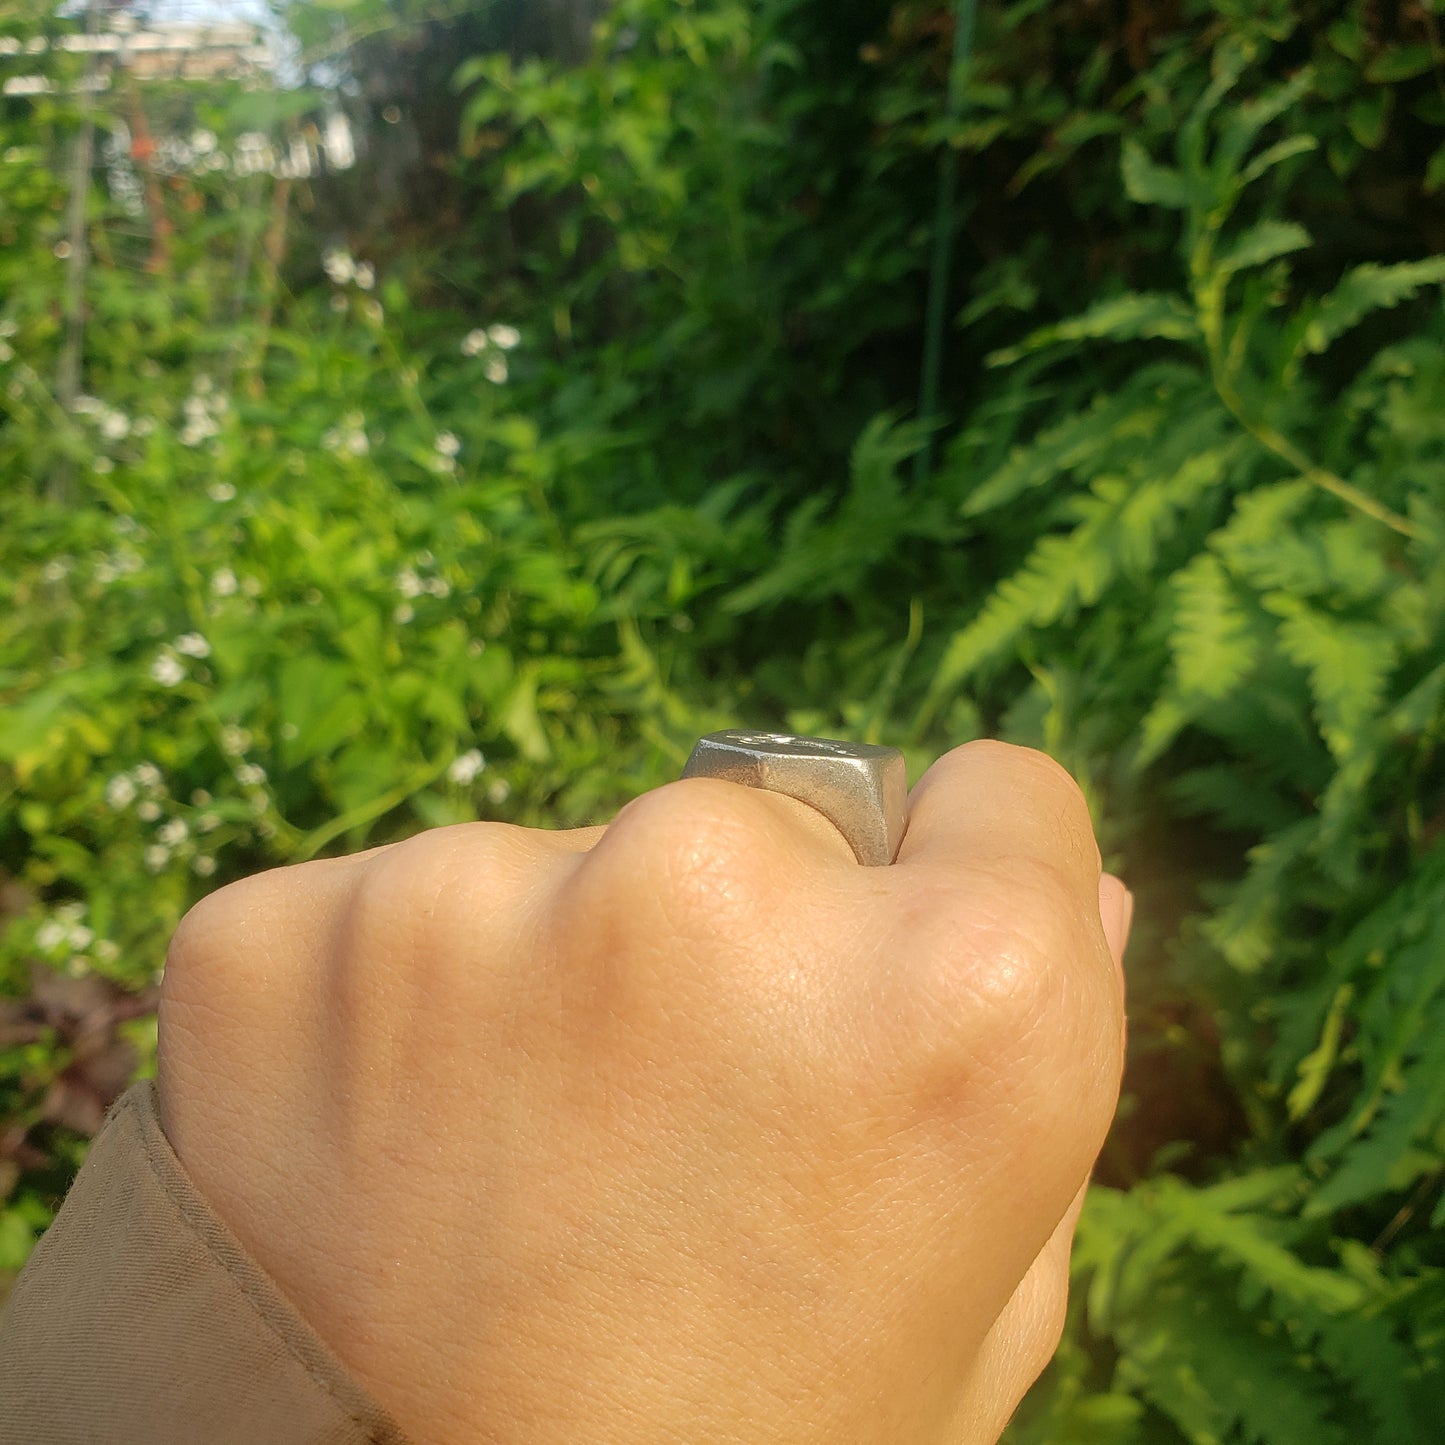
x=860 y=788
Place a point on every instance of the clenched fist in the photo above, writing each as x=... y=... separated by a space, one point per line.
x=685 y=1129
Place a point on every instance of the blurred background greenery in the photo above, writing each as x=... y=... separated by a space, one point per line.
x=415 y=412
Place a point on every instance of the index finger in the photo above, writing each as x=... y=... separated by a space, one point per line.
x=991 y=802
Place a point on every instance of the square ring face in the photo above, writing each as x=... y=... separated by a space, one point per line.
x=859 y=787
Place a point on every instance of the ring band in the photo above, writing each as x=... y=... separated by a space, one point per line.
x=860 y=788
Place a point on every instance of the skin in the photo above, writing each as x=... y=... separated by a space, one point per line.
x=689 y=1128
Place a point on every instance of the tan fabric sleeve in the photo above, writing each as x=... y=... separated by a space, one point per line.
x=140 y=1320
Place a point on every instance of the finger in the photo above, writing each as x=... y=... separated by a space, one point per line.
x=990 y=802
x=1022 y=1340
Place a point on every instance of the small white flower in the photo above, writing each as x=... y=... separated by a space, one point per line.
x=234 y=740
x=85 y=405
x=8 y=327
x=208 y=822
x=221 y=492
x=167 y=669
x=439 y=587
x=496 y=370
x=204 y=865
x=499 y=790
x=115 y=426
x=223 y=583
x=408 y=583
x=465 y=768
x=173 y=832
x=50 y=935
x=56 y=570
x=143 y=426
x=338 y=302
x=259 y=803
x=447 y=444
x=7 y=352
x=79 y=937
x=338 y=265
x=120 y=792
x=192 y=644
x=107 y=950
x=157 y=856
x=474 y=342
x=200 y=798
x=147 y=775
x=504 y=336
x=102 y=465
x=203 y=142
x=148 y=811
x=250 y=775
x=62 y=250
x=365 y=276
x=373 y=310
x=403 y=614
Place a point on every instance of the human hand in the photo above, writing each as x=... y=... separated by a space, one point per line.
x=685 y=1129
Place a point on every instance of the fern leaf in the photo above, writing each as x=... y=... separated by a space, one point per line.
x=1118 y=525
x=1348 y=665
x=1365 y=289
x=1380 y=1374
x=1238 y=798
x=1243 y=123
x=1218 y=1374
x=1276 y=154
x=1262 y=243
x=1389 y=1158
x=1114 y=430
x=1214 y=644
x=1317 y=1065
x=1151 y=184
x=1246 y=929
x=1134 y=316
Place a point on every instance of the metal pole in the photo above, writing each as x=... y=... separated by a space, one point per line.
x=963 y=24
x=67 y=376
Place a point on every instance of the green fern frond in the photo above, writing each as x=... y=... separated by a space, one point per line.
x=1264 y=242
x=1365 y=289
x=1348 y=664
x=1246 y=929
x=1118 y=526
x=1134 y=316
x=1214 y=643
x=1235 y=794
x=1221 y=1374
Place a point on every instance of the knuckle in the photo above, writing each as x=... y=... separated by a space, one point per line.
x=1012 y=1018
x=692 y=849
x=424 y=896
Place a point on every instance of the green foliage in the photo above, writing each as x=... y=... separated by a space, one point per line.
x=365 y=561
